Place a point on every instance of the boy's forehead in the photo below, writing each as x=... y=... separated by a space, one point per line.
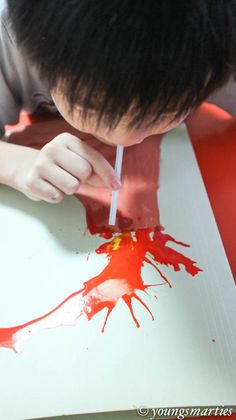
x=87 y=117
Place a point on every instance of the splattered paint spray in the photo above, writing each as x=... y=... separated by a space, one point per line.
x=126 y=252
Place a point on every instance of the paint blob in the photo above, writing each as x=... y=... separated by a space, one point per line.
x=120 y=279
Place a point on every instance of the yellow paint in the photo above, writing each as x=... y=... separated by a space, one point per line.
x=116 y=242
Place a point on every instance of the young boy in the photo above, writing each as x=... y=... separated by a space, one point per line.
x=119 y=70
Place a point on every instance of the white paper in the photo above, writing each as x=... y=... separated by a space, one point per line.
x=169 y=362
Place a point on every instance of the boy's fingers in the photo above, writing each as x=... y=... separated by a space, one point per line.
x=61 y=179
x=43 y=190
x=32 y=197
x=95 y=181
x=100 y=165
x=74 y=164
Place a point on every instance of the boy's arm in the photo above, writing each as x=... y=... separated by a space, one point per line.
x=11 y=157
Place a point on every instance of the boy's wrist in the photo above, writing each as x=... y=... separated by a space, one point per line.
x=10 y=159
x=6 y=174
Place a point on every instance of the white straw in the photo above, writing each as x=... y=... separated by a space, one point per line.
x=115 y=194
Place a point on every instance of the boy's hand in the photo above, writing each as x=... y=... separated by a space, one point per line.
x=59 y=168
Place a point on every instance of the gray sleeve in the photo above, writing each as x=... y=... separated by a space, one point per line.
x=10 y=103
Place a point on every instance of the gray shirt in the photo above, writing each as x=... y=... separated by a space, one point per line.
x=20 y=84
x=22 y=88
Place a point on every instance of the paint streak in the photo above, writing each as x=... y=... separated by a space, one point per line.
x=120 y=279
x=138 y=204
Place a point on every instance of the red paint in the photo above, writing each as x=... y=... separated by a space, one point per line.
x=120 y=279
x=126 y=252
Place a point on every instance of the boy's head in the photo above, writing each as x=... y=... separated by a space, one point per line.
x=123 y=69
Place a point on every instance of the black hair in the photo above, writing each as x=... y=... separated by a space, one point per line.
x=142 y=57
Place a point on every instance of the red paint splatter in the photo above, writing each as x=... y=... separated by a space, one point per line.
x=127 y=252
x=120 y=279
